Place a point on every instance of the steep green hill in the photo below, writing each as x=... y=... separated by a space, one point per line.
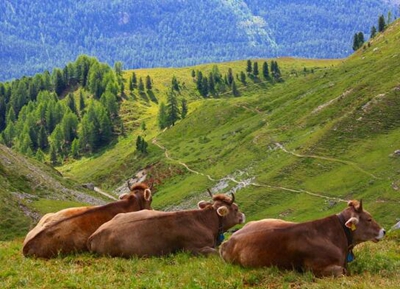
x=29 y=189
x=329 y=133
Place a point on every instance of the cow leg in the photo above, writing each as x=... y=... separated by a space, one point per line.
x=329 y=271
x=203 y=251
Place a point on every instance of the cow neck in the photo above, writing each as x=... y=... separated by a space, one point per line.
x=220 y=234
x=349 y=237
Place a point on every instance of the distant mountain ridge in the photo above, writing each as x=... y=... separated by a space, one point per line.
x=39 y=35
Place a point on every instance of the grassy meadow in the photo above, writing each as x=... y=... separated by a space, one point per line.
x=376 y=266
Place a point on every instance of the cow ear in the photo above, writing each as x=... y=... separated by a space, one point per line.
x=357 y=206
x=351 y=223
x=202 y=204
x=222 y=211
x=147 y=194
x=123 y=196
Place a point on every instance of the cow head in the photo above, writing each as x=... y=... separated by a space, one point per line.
x=226 y=209
x=360 y=222
x=140 y=194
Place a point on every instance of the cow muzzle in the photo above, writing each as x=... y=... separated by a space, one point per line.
x=381 y=234
x=242 y=219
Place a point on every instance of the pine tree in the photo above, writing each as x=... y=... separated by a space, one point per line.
x=53 y=155
x=255 y=69
x=59 y=84
x=70 y=102
x=184 y=108
x=204 y=87
x=230 y=76
x=193 y=74
x=75 y=148
x=211 y=84
x=148 y=83
x=40 y=155
x=42 y=140
x=249 y=68
x=235 y=91
x=373 y=32
x=172 y=108
x=265 y=71
x=381 y=23
x=243 y=77
x=141 y=85
x=358 y=40
x=81 y=103
x=162 y=116
x=175 y=83
x=134 y=81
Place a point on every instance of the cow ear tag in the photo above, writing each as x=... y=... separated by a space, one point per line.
x=353 y=227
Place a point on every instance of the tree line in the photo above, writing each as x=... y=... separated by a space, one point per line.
x=359 y=39
x=42 y=115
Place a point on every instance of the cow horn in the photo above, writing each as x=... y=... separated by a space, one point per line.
x=209 y=192
x=360 y=208
x=233 y=198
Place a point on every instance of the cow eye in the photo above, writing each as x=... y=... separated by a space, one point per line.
x=370 y=220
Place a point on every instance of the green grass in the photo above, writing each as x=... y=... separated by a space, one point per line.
x=376 y=265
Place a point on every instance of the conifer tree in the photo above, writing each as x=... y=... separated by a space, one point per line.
x=42 y=140
x=172 y=108
x=255 y=69
x=141 y=85
x=265 y=70
x=204 y=87
x=249 y=68
x=134 y=80
x=75 y=148
x=243 y=77
x=53 y=155
x=381 y=23
x=175 y=83
x=211 y=84
x=40 y=155
x=162 y=116
x=235 y=91
x=148 y=83
x=373 y=32
x=230 y=76
x=81 y=103
x=184 y=108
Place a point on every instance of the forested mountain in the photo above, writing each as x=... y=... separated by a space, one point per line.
x=38 y=35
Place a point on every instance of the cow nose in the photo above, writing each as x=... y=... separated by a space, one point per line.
x=384 y=232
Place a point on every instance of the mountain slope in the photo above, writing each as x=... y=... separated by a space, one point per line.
x=38 y=35
x=30 y=189
x=294 y=150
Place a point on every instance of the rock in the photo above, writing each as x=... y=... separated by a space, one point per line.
x=89 y=186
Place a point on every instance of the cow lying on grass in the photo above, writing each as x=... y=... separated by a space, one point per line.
x=67 y=231
x=323 y=246
x=155 y=233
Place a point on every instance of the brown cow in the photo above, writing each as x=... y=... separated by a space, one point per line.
x=151 y=233
x=322 y=246
x=68 y=230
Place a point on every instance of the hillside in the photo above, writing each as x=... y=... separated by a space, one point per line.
x=39 y=35
x=294 y=150
x=30 y=189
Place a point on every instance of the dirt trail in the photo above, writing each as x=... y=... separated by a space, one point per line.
x=354 y=165
x=98 y=190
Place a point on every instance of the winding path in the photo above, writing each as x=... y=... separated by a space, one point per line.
x=155 y=142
